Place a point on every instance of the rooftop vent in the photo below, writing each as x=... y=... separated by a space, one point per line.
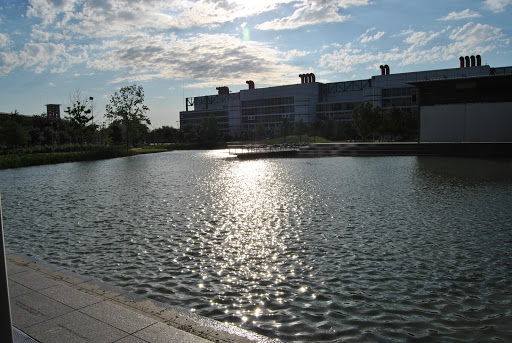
x=307 y=78
x=384 y=70
x=223 y=90
x=473 y=61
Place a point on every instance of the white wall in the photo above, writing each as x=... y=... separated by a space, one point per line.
x=482 y=122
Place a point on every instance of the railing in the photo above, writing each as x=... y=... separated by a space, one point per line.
x=237 y=149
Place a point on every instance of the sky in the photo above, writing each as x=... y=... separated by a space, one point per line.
x=51 y=49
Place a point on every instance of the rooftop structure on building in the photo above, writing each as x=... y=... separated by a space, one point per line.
x=309 y=100
x=53 y=110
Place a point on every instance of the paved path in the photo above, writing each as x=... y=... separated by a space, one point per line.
x=54 y=306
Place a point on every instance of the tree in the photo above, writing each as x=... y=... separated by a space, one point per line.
x=79 y=111
x=13 y=134
x=261 y=132
x=400 y=123
x=285 y=128
x=300 y=129
x=127 y=105
x=366 y=120
x=209 y=131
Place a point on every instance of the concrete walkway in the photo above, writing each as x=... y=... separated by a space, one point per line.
x=55 y=306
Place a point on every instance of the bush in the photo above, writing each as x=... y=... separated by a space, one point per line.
x=33 y=159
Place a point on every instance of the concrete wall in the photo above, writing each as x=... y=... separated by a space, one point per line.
x=482 y=122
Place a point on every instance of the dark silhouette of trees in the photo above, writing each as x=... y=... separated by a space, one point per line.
x=12 y=133
x=79 y=115
x=128 y=107
x=393 y=124
x=300 y=129
x=164 y=134
x=367 y=120
x=209 y=131
x=260 y=132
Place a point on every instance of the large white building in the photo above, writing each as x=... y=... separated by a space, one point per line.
x=308 y=100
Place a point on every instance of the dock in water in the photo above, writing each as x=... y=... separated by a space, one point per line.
x=250 y=151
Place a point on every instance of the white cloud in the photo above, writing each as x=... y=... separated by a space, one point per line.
x=4 y=40
x=466 y=14
x=292 y=54
x=475 y=34
x=497 y=5
x=42 y=56
x=108 y=18
x=166 y=56
x=421 y=38
x=311 y=12
x=365 y=38
x=45 y=36
x=468 y=39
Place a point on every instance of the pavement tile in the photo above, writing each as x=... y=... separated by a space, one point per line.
x=69 y=296
x=141 y=304
x=131 y=339
x=33 y=280
x=75 y=327
x=118 y=317
x=66 y=278
x=15 y=289
x=33 y=308
x=18 y=259
x=162 y=333
x=44 y=268
x=13 y=268
x=101 y=289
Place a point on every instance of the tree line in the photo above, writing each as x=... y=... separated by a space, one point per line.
x=128 y=126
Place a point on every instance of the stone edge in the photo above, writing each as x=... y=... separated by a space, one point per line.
x=174 y=316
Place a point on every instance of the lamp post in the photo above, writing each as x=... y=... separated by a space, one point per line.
x=92 y=108
x=92 y=116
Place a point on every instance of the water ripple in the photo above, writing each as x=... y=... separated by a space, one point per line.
x=328 y=249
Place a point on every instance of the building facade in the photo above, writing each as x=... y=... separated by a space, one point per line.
x=53 y=110
x=307 y=101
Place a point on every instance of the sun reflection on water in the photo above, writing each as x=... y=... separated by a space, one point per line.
x=249 y=236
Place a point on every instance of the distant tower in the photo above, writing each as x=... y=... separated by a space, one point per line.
x=53 y=110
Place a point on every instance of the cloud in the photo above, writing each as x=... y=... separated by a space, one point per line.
x=466 y=14
x=421 y=38
x=468 y=39
x=45 y=36
x=210 y=58
x=497 y=5
x=293 y=54
x=109 y=18
x=42 y=56
x=365 y=38
x=311 y=12
x=4 y=40
x=478 y=34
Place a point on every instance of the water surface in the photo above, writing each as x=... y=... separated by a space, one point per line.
x=323 y=249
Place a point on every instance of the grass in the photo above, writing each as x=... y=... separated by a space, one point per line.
x=41 y=158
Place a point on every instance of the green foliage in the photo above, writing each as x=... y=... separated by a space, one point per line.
x=13 y=134
x=209 y=131
x=261 y=132
x=393 y=124
x=300 y=128
x=78 y=112
x=25 y=160
x=286 y=128
x=164 y=134
x=127 y=107
x=367 y=120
